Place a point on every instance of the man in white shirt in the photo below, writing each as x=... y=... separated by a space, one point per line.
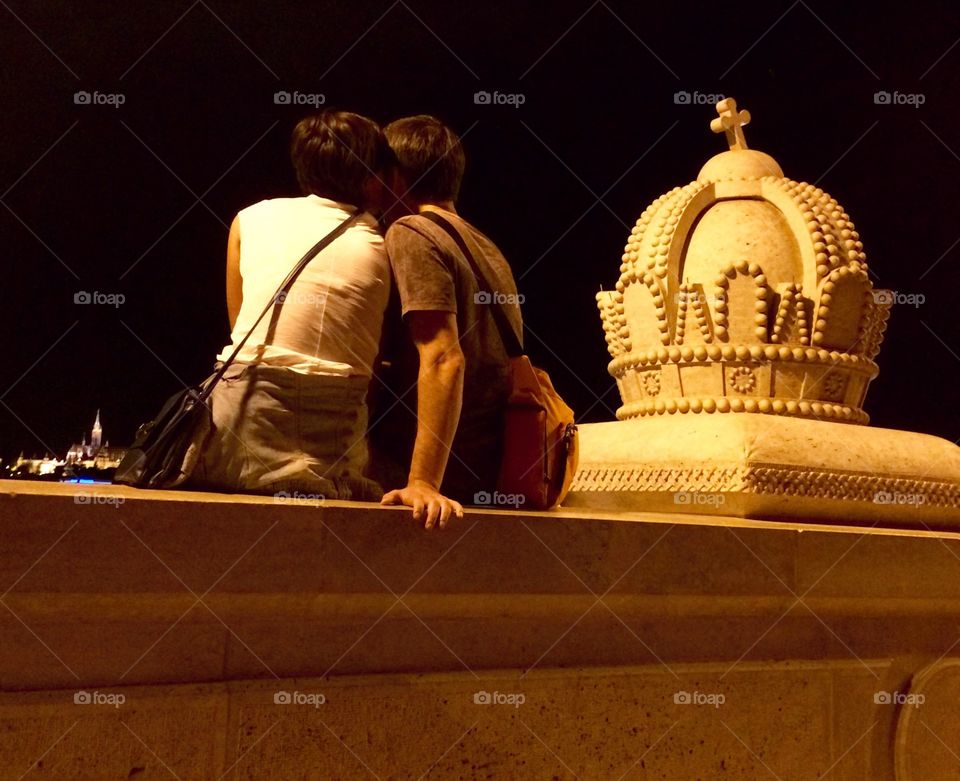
x=290 y=414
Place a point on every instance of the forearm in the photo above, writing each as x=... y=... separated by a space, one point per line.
x=439 y=399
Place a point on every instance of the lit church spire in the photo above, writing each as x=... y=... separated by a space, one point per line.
x=96 y=434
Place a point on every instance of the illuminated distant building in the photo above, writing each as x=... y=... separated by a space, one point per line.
x=94 y=455
x=36 y=467
x=84 y=459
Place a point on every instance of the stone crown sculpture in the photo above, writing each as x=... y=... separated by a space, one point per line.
x=744 y=291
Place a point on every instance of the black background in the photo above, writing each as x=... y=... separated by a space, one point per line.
x=112 y=206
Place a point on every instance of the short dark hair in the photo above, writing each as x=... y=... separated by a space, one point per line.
x=429 y=155
x=334 y=152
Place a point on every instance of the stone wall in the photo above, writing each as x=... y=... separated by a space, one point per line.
x=151 y=633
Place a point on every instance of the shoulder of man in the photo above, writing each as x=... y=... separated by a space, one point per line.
x=413 y=223
x=415 y=236
x=418 y=227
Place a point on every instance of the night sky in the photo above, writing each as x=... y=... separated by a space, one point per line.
x=135 y=199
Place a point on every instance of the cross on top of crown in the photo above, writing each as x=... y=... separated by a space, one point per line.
x=731 y=122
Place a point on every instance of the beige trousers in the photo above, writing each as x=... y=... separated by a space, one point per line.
x=278 y=431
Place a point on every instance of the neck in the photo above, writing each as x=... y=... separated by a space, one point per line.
x=447 y=206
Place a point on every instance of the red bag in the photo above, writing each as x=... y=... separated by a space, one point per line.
x=540 y=445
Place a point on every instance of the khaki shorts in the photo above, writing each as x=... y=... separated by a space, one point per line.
x=278 y=431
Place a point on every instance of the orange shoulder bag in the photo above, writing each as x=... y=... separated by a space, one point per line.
x=540 y=436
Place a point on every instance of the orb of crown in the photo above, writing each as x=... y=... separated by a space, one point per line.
x=744 y=291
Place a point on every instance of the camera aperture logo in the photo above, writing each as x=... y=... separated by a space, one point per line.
x=91 y=498
x=714 y=700
x=296 y=98
x=699 y=498
x=894 y=497
x=497 y=499
x=302 y=298
x=496 y=98
x=891 y=297
x=516 y=699
x=99 y=698
x=899 y=698
x=297 y=497
x=96 y=298
x=684 y=98
x=95 y=98
x=483 y=297
x=697 y=298
x=895 y=98
x=313 y=699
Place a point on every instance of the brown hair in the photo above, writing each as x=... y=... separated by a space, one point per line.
x=334 y=153
x=429 y=155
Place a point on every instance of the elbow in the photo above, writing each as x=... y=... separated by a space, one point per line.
x=454 y=361
x=449 y=364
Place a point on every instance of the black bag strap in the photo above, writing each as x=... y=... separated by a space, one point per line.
x=507 y=335
x=279 y=296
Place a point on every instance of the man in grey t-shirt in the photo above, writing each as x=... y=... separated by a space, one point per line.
x=457 y=361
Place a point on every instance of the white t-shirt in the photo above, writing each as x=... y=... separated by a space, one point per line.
x=330 y=322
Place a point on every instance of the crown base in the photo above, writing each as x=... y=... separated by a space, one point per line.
x=769 y=467
x=812 y=384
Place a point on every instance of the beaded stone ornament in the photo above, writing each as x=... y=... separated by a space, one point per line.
x=744 y=291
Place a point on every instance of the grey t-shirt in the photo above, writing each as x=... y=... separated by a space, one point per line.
x=432 y=274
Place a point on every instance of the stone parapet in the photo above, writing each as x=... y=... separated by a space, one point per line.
x=200 y=608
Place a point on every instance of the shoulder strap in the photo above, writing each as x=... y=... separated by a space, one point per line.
x=280 y=295
x=507 y=335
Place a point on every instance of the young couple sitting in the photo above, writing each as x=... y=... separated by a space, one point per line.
x=293 y=413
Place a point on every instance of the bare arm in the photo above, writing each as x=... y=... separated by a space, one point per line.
x=234 y=280
x=439 y=398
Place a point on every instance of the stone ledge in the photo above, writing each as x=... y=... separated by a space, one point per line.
x=107 y=594
x=184 y=600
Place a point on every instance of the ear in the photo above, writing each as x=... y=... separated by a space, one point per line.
x=398 y=183
x=373 y=194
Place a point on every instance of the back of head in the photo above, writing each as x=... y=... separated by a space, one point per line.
x=334 y=153
x=429 y=156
